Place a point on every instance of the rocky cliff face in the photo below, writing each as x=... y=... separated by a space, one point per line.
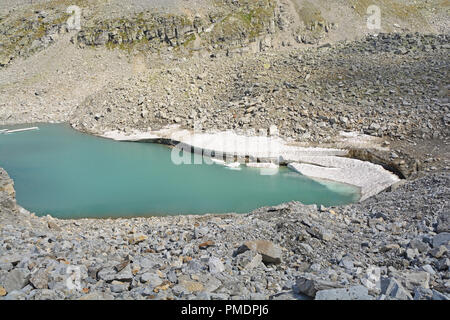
x=208 y=25
x=227 y=24
x=6 y=184
x=30 y=28
x=310 y=95
x=230 y=24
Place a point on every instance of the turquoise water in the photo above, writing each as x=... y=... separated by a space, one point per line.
x=68 y=174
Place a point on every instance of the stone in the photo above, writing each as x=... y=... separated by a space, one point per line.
x=273 y=130
x=6 y=266
x=287 y=295
x=45 y=294
x=412 y=279
x=439 y=296
x=162 y=287
x=393 y=289
x=125 y=274
x=443 y=264
x=428 y=268
x=206 y=244
x=16 y=295
x=316 y=267
x=270 y=253
x=53 y=226
x=96 y=295
x=260 y=296
x=7 y=187
x=307 y=248
x=219 y=296
x=351 y=293
x=10 y=258
x=203 y=296
x=212 y=284
x=215 y=265
x=39 y=279
x=150 y=261
x=321 y=233
x=179 y=290
x=122 y=265
x=110 y=274
x=391 y=246
x=310 y=286
x=411 y=253
x=248 y=260
x=419 y=245
x=16 y=279
x=2 y=291
x=147 y=291
x=443 y=223
x=144 y=113
x=194 y=266
x=191 y=286
x=172 y=276
x=347 y=263
x=441 y=239
x=438 y=252
x=137 y=239
x=118 y=286
x=93 y=271
x=422 y=293
x=107 y=274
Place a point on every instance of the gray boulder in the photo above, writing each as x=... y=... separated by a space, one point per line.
x=419 y=245
x=441 y=239
x=16 y=279
x=439 y=296
x=443 y=223
x=270 y=252
x=215 y=265
x=151 y=279
x=248 y=260
x=39 y=279
x=412 y=279
x=310 y=286
x=422 y=294
x=110 y=274
x=351 y=293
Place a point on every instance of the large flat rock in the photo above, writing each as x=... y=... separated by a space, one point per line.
x=314 y=162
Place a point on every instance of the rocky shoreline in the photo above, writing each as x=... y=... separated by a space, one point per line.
x=392 y=246
x=313 y=71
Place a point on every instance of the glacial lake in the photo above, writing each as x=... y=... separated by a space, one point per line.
x=67 y=174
